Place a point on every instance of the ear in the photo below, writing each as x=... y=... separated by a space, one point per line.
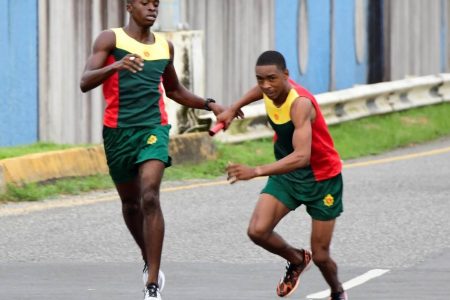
x=129 y=8
x=286 y=73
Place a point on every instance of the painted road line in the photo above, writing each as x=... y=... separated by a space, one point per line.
x=351 y=283
x=193 y=186
x=27 y=208
x=397 y=158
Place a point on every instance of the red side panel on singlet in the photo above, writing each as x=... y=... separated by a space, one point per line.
x=325 y=161
x=111 y=94
x=162 y=106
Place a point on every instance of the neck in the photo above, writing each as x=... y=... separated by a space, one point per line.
x=283 y=96
x=139 y=33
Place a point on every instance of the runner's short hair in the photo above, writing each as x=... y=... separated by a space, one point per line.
x=272 y=57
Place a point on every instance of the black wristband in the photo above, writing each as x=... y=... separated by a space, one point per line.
x=207 y=102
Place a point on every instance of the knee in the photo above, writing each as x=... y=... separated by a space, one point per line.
x=150 y=200
x=131 y=207
x=321 y=257
x=257 y=234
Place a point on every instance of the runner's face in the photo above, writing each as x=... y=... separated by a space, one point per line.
x=144 y=12
x=271 y=80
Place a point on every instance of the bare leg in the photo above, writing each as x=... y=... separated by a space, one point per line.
x=150 y=176
x=322 y=232
x=131 y=210
x=267 y=214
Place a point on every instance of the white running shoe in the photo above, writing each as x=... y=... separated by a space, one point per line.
x=152 y=292
x=161 y=277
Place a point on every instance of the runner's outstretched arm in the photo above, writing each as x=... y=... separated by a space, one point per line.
x=226 y=117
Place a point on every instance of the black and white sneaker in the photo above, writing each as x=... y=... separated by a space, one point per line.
x=152 y=292
x=161 y=277
x=339 y=296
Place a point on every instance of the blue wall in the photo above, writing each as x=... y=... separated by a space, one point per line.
x=18 y=72
x=319 y=75
x=348 y=71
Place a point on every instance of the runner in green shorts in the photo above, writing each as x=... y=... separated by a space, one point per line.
x=307 y=172
x=135 y=67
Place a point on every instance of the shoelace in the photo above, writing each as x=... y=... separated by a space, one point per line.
x=291 y=267
x=152 y=290
x=289 y=270
x=145 y=268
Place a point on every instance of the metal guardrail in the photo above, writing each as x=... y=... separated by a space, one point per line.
x=340 y=106
x=350 y=104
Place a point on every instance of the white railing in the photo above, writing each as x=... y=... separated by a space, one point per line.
x=350 y=104
x=337 y=107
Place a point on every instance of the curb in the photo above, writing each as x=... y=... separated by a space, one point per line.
x=75 y=162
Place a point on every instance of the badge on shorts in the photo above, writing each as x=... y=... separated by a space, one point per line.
x=328 y=200
x=152 y=139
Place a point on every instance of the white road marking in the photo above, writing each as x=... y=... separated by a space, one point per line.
x=351 y=283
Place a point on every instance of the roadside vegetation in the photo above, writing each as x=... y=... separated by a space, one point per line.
x=8 y=152
x=353 y=139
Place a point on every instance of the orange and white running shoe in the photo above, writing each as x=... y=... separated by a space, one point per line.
x=289 y=283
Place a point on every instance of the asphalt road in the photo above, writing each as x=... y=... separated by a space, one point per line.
x=396 y=224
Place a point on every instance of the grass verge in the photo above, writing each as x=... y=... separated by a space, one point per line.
x=352 y=139
x=381 y=133
x=66 y=186
x=8 y=152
